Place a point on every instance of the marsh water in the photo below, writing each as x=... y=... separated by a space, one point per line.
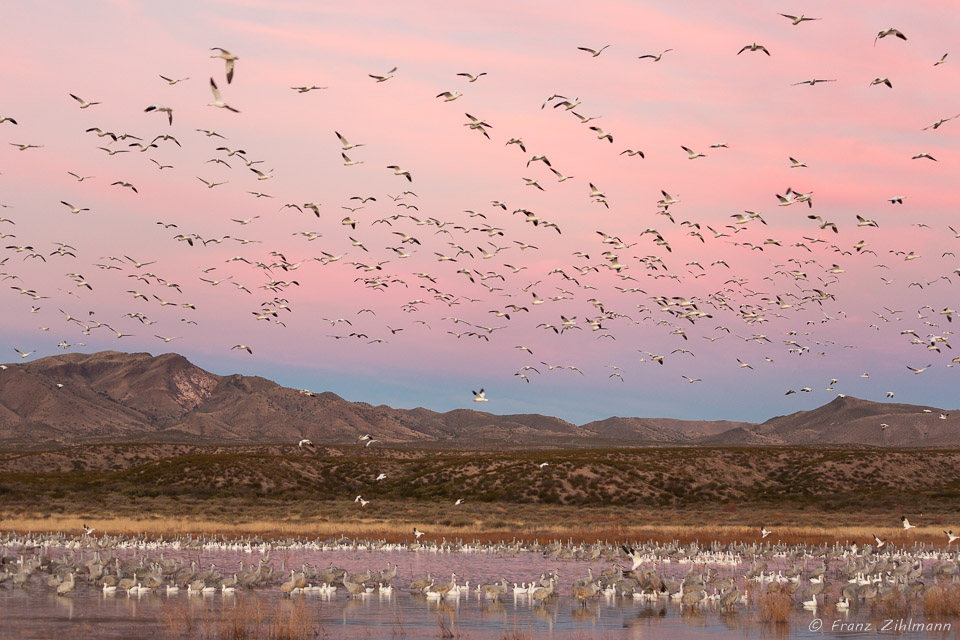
x=37 y=612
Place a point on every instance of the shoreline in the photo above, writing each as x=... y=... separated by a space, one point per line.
x=394 y=532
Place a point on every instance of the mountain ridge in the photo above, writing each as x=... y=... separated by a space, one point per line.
x=115 y=396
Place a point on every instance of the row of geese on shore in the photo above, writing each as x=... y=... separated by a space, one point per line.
x=714 y=552
x=860 y=574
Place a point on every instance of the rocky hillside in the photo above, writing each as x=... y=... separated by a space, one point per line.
x=135 y=397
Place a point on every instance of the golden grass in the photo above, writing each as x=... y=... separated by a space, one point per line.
x=400 y=530
x=942 y=601
x=773 y=607
x=893 y=605
x=242 y=621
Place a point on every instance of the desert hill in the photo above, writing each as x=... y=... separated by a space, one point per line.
x=136 y=397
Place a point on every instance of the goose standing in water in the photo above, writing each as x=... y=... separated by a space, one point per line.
x=582 y=592
x=541 y=594
x=66 y=586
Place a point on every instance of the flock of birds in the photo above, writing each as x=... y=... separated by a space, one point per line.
x=723 y=575
x=479 y=255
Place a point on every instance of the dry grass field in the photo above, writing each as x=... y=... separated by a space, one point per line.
x=722 y=493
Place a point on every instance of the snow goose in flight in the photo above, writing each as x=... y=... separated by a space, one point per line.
x=161 y=109
x=518 y=142
x=951 y=537
x=753 y=47
x=347 y=162
x=385 y=77
x=228 y=58
x=796 y=164
x=74 y=209
x=211 y=185
x=601 y=135
x=449 y=96
x=936 y=64
x=889 y=32
x=12 y=121
x=655 y=58
x=693 y=155
x=795 y=20
x=209 y=133
x=478 y=124
x=472 y=78
x=217 y=100
x=242 y=346
x=346 y=144
x=124 y=184
x=885 y=81
x=479 y=396
x=305 y=89
x=397 y=171
x=171 y=81
x=812 y=82
x=593 y=52
x=936 y=125
x=824 y=224
x=906 y=523
x=307 y=445
x=83 y=103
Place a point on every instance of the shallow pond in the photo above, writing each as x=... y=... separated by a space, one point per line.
x=37 y=612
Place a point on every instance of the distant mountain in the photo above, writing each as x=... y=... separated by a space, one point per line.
x=662 y=430
x=849 y=420
x=113 y=397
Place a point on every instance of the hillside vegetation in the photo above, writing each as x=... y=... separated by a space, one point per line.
x=278 y=482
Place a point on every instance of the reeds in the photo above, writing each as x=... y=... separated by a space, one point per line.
x=942 y=601
x=893 y=604
x=244 y=620
x=773 y=607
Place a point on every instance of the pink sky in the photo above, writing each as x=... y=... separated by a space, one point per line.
x=857 y=140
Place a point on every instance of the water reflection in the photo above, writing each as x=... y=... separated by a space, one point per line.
x=37 y=612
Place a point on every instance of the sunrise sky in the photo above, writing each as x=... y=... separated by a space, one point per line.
x=857 y=139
